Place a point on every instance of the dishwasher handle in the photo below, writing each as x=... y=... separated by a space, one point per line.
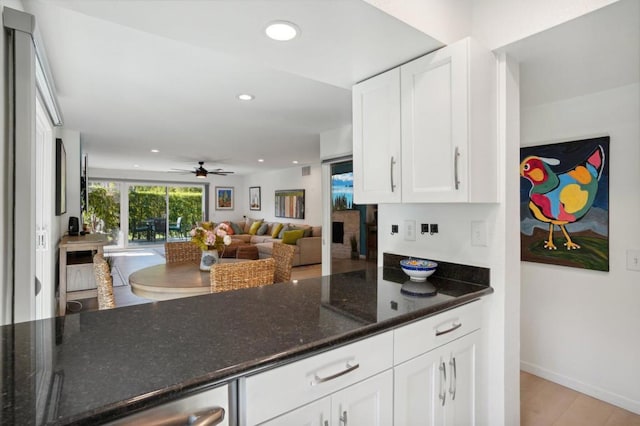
x=210 y=417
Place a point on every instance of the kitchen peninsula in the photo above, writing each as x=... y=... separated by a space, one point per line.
x=100 y=366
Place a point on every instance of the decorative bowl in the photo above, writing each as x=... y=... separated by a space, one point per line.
x=418 y=269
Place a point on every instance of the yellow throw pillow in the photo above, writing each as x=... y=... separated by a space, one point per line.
x=276 y=230
x=290 y=237
x=254 y=227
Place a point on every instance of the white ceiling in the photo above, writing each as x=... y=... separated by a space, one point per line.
x=595 y=52
x=135 y=75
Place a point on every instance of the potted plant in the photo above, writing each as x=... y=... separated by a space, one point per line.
x=354 y=247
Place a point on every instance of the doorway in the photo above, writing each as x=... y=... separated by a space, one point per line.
x=353 y=240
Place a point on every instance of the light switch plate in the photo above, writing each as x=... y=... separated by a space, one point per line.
x=633 y=260
x=479 y=233
x=410 y=230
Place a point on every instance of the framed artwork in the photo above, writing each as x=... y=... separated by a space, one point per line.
x=564 y=204
x=255 y=202
x=224 y=198
x=61 y=178
x=290 y=203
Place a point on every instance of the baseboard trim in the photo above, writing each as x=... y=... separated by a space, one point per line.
x=582 y=387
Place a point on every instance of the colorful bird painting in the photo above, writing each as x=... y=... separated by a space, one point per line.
x=563 y=198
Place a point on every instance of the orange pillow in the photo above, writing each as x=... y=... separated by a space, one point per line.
x=229 y=228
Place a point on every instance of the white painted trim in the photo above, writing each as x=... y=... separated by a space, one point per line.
x=583 y=387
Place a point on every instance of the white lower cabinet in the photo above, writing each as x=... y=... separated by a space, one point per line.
x=438 y=387
x=369 y=403
x=356 y=378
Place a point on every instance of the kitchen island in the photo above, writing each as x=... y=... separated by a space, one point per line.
x=93 y=367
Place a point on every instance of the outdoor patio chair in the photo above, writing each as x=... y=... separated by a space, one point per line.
x=160 y=228
x=234 y=276
x=177 y=227
x=144 y=227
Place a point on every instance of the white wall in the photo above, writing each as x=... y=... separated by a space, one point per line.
x=213 y=180
x=336 y=143
x=286 y=179
x=581 y=328
x=71 y=141
x=447 y=21
x=268 y=182
x=496 y=23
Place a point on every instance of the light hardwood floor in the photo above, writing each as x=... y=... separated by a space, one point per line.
x=544 y=403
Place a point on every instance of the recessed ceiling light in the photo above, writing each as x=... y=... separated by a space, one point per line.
x=282 y=30
x=136 y=165
x=295 y=161
x=155 y=150
x=246 y=97
x=260 y=160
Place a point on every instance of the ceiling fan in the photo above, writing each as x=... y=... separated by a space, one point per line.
x=202 y=173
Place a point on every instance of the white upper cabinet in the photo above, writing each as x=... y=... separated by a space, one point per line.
x=447 y=109
x=376 y=139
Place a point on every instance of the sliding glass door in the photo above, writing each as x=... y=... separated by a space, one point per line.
x=103 y=210
x=147 y=214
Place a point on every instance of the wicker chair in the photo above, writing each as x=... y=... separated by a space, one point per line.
x=183 y=251
x=103 y=282
x=283 y=255
x=234 y=276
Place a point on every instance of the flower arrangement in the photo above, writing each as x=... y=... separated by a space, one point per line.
x=207 y=236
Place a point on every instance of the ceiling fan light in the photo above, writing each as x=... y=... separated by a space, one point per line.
x=201 y=174
x=282 y=30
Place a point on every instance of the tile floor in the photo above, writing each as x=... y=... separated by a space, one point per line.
x=543 y=403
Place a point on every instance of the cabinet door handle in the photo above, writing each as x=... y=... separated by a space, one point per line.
x=454 y=327
x=456 y=156
x=443 y=380
x=453 y=385
x=343 y=418
x=393 y=185
x=349 y=368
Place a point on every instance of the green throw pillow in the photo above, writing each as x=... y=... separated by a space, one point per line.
x=290 y=237
x=254 y=227
x=284 y=229
x=276 y=230
x=236 y=228
x=263 y=229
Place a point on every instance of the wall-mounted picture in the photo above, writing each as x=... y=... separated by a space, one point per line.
x=254 y=198
x=61 y=178
x=564 y=202
x=224 y=198
x=290 y=203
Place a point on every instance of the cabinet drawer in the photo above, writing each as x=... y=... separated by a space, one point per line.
x=277 y=391
x=424 y=335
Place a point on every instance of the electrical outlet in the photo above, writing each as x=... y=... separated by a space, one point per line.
x=424 y=228
x=394 y=229
x=410 y=230
x=633 y=260
x=433 y=228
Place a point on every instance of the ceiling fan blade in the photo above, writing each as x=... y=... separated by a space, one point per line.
x=220 y=172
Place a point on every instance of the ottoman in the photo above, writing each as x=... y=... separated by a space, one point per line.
x=231 y=249
x=248 y=251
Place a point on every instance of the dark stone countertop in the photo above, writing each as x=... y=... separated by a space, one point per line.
x=91 y=367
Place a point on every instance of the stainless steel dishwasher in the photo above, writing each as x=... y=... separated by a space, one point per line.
x=211 y=407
